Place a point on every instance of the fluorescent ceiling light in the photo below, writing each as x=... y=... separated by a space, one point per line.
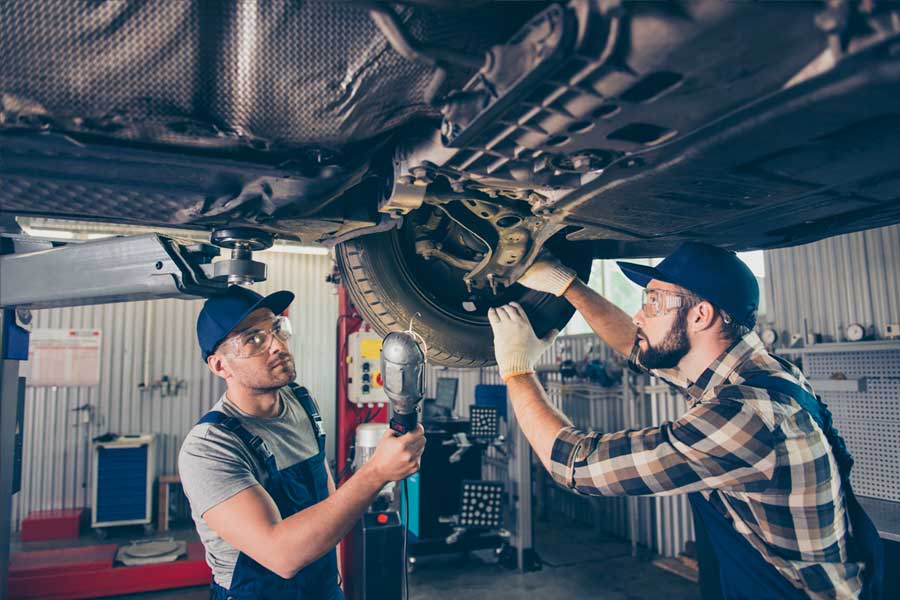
x=56 y=234
x=63 y=234
x=295 y=249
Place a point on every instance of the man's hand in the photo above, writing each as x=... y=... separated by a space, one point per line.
x=548 y=275
x=397 y=458
x=516 y=346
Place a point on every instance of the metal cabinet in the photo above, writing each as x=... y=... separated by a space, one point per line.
x=124 y=471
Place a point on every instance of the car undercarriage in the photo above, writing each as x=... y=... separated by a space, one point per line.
x=440 y=147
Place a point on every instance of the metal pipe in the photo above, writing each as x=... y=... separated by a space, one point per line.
x=148 y=330
x=630 y=405
x=11 y=388
x=394 y=30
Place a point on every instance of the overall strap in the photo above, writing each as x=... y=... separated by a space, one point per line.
x=312 y=410
x=816 y=409
x=255 y=443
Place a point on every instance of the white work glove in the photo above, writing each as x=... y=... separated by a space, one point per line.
x=548 y=275
x=516 y=346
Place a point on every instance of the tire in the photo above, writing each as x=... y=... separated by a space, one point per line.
x=387 y=291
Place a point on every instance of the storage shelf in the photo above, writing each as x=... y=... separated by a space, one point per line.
x=838 y=385
x=885 y=515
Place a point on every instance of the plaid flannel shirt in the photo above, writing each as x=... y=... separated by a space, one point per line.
x=756 y=455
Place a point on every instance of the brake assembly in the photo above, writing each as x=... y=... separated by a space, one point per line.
x=493 y=239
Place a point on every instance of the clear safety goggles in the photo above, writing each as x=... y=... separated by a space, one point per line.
x=257 y=341
x=660 y=302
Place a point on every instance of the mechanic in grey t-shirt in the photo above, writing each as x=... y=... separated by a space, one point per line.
x=253 y=469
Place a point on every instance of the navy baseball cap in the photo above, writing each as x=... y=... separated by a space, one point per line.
x=712 y=273
x=221 y=314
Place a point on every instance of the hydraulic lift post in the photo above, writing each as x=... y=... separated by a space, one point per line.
x=9 y=401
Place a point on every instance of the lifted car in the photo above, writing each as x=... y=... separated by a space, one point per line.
x=441 y=146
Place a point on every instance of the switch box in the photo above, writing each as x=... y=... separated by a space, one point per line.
x=366 y=384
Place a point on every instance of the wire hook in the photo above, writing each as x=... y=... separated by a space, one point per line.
x=416 y=335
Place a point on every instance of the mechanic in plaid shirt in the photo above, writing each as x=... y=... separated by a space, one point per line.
x=772 y=520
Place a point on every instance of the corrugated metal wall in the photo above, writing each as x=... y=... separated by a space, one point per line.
x=852 y=278
x=465 y=391
x=60 y=421
x=57 y=439
x=662 y=524
x=589 y=407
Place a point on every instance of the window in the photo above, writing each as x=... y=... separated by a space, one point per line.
x=756 y=261
x=609 y=281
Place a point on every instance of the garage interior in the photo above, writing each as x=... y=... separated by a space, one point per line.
x=100 y=409
x=408 y=172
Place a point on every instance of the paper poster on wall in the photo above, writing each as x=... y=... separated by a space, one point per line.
x=63 y=357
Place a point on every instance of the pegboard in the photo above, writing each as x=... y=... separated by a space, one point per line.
x=881 y=400
x=875 y=448
x=875 y=363
x=869 y=420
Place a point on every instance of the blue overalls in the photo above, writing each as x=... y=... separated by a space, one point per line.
x=293 y=489
x=730 y=567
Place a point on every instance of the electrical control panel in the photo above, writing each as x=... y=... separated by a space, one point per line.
x=365 y=385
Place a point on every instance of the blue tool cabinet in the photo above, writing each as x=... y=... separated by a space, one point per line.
x=124 y=471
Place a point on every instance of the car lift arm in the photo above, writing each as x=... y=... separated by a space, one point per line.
x=119 y=269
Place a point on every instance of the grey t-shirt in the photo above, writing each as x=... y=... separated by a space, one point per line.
x=215 y=465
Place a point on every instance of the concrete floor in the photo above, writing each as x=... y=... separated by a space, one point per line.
x=578 y=563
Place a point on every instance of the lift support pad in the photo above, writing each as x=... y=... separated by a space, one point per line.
x=88 y=572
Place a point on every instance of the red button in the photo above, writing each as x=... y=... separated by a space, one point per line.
x=379 y=381
x=382 y=518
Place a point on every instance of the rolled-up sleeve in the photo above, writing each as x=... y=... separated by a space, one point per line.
x=713 y=446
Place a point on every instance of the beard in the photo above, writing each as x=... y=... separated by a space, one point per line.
x=668 y=353
x=267 y=379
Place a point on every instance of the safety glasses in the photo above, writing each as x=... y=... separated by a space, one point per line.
x=660 y=302
x=254 y=342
